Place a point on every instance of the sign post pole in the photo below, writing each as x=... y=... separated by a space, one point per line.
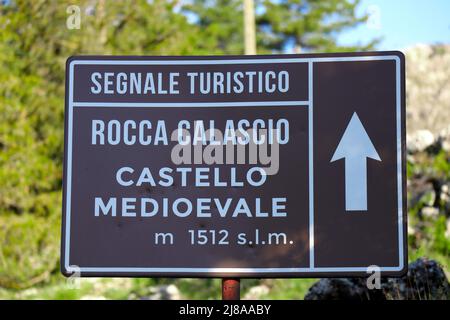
x=231 y=289
x=231 y=286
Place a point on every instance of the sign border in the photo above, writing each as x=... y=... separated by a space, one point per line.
x=67 y=269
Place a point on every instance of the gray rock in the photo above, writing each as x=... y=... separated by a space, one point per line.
x=430 y=212
x=255 y=293
x=428 y=87
x=419 y=141
x=425 y=280
x=421 y=188
x=343 y=289
x=445 y=198
x=164 y=292
x=444 y=139
x=411 y=228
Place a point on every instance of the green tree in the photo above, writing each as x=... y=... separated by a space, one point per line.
x=312 y=25
x=220 y=25
x=34 y=45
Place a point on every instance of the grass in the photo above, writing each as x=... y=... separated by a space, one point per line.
x=124 y=288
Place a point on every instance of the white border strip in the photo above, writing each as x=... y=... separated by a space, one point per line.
x=233 y=61
x=190 y=104
x=311 y=164
x=69 y=168
x=310 y=61
x=223 y=270
x=399 y=164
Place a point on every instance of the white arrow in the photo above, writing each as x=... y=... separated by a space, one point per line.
x=355 y=146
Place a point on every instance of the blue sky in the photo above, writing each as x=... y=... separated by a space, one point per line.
x=402 y=23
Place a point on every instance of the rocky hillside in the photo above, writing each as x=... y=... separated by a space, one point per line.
x=428 y=133
x=428 y=88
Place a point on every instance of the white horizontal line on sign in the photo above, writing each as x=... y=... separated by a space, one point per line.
x=228 y=270
x=190 y=104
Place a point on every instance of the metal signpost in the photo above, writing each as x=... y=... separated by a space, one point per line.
x=232 y=167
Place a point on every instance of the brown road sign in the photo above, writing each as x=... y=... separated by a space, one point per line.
x=255 y=166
